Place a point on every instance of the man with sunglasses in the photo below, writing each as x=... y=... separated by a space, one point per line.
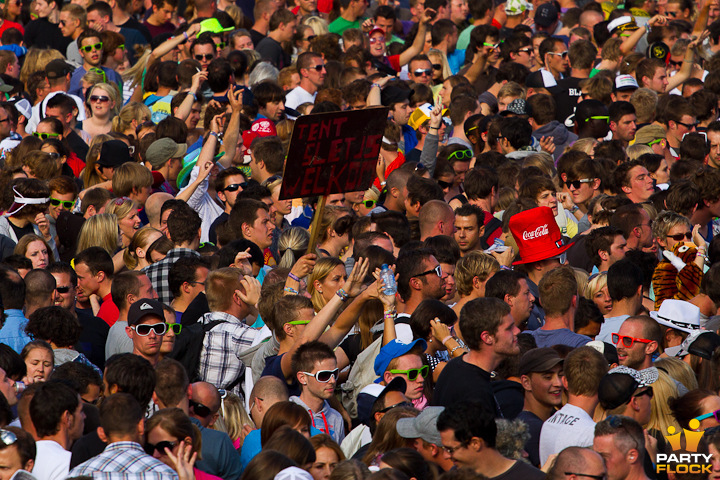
x=469 y=434
x=398 y=359
x=628 y=392
x=228 y=185
x=128 y=287
x=145 y=327
x=315 y=367
x=311 y=67
x=420 y=69
x=554 y=53
x=639 y=340
x=621 y=442
x=91 y=48
x=679 y=121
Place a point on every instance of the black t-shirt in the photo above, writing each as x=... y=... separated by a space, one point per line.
x=77 y=145
x=567 y=95
x=270 y=50
x=92 y=337
x=460 y=380
x=21 y=231
x=532 y=446
x=41 y=33
x=256 y=37
x=135 y=25
x=520 y=471
x=68 y=227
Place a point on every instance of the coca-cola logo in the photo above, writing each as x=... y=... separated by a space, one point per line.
x=538 y=232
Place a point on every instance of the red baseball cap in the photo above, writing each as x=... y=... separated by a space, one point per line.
x=537 y=235
x=260 y=128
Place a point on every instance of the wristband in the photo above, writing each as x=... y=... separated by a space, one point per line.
x=292 y=276
x=453 y=350
x=342 y=294
x=186 y=36
x=291 y=290
x=375 y=85
x=446 y=339
x=436 y=128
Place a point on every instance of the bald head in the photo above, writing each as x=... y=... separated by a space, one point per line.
x=589 y=18
x=577 y=459
x=39 y=289
x=207 y=395
x=153 y=205
x=267 y=392
x=431 y=215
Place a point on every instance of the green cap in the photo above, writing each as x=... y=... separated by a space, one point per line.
x=212 y=25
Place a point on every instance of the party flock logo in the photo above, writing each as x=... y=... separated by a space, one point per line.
x=689 y=461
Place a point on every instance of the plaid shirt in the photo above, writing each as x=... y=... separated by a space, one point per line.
x=220 y=363
x=159 y=272
x=123 y=457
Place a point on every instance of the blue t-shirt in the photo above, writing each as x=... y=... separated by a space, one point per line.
x=273 y=367
x=561 y=336
x=251 y=445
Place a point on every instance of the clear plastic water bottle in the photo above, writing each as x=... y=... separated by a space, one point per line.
x=388 y=277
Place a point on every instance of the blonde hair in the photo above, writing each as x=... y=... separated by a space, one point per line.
x=661 y=416
x=634 y=151
x=89 y=175
x=586 y=145
x=236 y=14
x=512 y=89
x=474 y=264
x=35 y=61
x=581 y=277
x=132 y=111
x=292 y=245
x=130 y=176
x=139 y=240
x=113 y=92
x=27 y=239
x=594 y=285
x=678 y=370
x=219 y=287
x=440 y=58
x=100 y=230
x=233 y=418
x=330 y=215
x=121 y=207
x=322 y=269
x=318 y=25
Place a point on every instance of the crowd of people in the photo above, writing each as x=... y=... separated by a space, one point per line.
x=529 y=289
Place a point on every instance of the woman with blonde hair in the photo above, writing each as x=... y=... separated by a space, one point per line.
x=597 y=291
x=129 y=222
x=327 y=277
x=91 y=174
x=130 y=116
x=661 y=416
x=678 y=370
x=234 y=420
x=36 y=249
x=471 y=274
x=318 y=25
x=637 y=150
x=282 y=207
x=135 y=255
x=100 y=230
x=440 y=68
x=292 y=245
x=103 y=101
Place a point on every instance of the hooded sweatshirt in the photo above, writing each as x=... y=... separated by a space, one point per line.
x=562 y=137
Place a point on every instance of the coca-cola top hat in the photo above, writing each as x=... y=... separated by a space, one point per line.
x=537 y=235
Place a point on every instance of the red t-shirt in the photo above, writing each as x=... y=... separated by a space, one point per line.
x=8 y=24
x=108 y=311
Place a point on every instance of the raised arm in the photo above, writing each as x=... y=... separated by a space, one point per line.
x=417 y=46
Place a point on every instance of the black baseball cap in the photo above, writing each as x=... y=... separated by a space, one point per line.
x=144 y=307
x=114 y=153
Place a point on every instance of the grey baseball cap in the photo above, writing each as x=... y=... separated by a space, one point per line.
x=423 y=426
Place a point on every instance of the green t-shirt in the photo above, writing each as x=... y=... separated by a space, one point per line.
x=464 y=38
x=339 y=25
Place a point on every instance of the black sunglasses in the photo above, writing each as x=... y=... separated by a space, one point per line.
x=160 y=447
x=444 y=185
x=234 y=187
x=679 y=237
x=436 y=66
x=204 y=56
x=200 y=409
x=577 y=183
x=62 y=289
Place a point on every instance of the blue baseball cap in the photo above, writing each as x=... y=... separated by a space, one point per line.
x=394 y=349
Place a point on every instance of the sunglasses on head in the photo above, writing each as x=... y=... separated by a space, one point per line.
x=45 y=136
x=310 y=38
x=7 y=437
x=324 y=376
x=422 y=71
x=67 y=204
x=678 y=237
x=175 y=327
x=99 y=98
x=200 y=409
x=234 y=187
x=144 y=329
x=413 y=373
x=63 y=289
x=577 y=183
x=100 y=72
x=160 y=447
x=598 y=117
x=626 y=340
x=204 y=56
x=461 y=155
x=90 y=48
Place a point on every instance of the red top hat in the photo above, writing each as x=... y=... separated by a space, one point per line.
x=537 y=235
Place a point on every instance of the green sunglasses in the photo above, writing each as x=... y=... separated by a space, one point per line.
x=45 y=136
x=598 y=117
x=413 y=373
x=67 y=204
x=90 y=48
x=461 y=155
